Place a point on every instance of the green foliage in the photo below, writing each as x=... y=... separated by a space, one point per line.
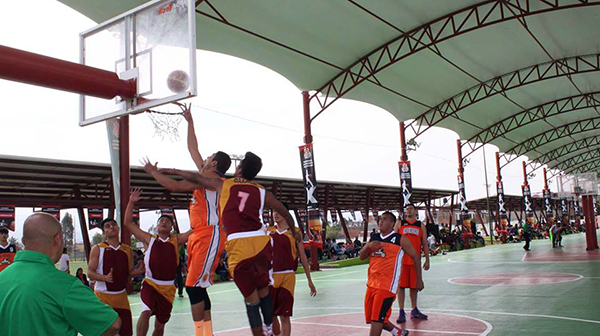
x=97 y=239
x=68 y=231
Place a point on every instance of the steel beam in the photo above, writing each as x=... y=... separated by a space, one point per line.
x=426 y=36
x=531 y=115
x=549 y=136
x=564 y=151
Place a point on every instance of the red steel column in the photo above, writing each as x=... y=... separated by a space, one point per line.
x=314 y=252
x=403 y=155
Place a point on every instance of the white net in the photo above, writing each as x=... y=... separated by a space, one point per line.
x=166 y=123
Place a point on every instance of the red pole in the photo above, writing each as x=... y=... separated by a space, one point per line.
x=524 y=174
x=498 y=176
x=306 y=105
x=125 y=174
x=404 y=155
x=545 y=180
x=25 y=67
x=460 y=163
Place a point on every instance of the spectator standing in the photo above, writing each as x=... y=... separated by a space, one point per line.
x=65 y=261
x=58 y=305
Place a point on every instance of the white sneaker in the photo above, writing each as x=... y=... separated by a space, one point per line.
x=268 y=330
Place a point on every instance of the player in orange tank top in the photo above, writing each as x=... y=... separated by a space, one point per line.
x=207 y=242
x=248 y=245
x=385 y=251
x=416 y=232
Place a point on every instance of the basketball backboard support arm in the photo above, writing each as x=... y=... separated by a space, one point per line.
x=35 y=69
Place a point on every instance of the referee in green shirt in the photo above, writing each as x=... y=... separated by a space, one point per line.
x=38 y=299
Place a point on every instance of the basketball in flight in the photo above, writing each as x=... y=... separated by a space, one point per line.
x=178 y=81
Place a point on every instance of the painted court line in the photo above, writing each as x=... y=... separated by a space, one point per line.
x=367 y=327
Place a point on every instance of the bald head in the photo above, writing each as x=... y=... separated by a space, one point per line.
x=42 y=232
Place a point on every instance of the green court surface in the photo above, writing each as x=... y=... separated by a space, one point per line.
x=496 y=290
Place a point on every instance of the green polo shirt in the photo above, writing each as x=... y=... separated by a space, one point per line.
x=38 y=299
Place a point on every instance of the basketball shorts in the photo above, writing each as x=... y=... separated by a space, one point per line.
x=205 y=247
x=120 y=303
x=378 y=305
x=408 y=277
x=282 y=293
x=250 y=262
x=158 y=299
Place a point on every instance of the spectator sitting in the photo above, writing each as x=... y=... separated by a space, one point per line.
x=81 y=276
x=357 y=243
x=338 y=252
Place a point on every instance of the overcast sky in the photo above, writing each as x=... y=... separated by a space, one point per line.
x=241 y=106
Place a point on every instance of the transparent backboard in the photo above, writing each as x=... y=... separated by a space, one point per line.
x=155 y=44
x=578 y=184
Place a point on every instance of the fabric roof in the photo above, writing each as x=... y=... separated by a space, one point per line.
x=464 y=65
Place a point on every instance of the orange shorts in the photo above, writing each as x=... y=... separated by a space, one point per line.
x=378 y=305
x=205 y=247
x=408 y=277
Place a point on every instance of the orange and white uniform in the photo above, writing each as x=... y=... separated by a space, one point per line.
x=285 y=264
x=207 y=241
x=414 y=233
x=158 y=287
x=248 y=246
x=385 y=266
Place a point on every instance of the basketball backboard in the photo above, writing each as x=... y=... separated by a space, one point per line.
x=578 y=184
x=147 y=43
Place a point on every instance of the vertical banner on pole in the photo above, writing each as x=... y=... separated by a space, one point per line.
x=502 y=218
x=527 y=206
x=310 y=184
x=7 y=216
x=266 y=215
x=564 y=211
x=462 y=199
x=405 y=183
x=95 y=217
x=112 y=128
x=548 y=206
x=576 y=211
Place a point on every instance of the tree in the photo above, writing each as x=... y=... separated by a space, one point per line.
x=68 y=231
x=97 y=239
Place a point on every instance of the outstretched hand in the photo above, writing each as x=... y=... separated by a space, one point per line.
x=187 y=112
x=148 y=166
x=135 y=194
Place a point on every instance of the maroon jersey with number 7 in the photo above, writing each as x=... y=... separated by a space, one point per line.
x=241 y=205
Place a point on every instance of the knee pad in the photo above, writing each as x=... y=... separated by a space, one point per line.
x=197 y=295
x=253 y=311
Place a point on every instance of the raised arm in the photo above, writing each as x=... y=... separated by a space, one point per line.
x=182 y=238
x=192 y=142
x=139 y=234
x=167 y=182
x=202 y=181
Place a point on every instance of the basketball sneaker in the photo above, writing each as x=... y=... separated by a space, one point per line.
x=401 y=317
x=404 y=333
x=415 y=313
x=268 y=330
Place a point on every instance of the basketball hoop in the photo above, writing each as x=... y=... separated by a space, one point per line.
x=166 y=123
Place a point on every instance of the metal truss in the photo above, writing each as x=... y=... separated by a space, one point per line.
x=590 y=166
x=428 y=35
x=546 y=137
x=578 y=160
x=499 y=85
x=563 y=151
x=531 y=115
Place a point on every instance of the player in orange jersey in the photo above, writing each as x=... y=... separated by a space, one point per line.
x=248 y=245
x=416 y=233
x=207 y=242
x=385 y=251
x=286 y=251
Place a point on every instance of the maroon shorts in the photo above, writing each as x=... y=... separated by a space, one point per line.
x=126 y=322
x=250 y=273
x=155 y=302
